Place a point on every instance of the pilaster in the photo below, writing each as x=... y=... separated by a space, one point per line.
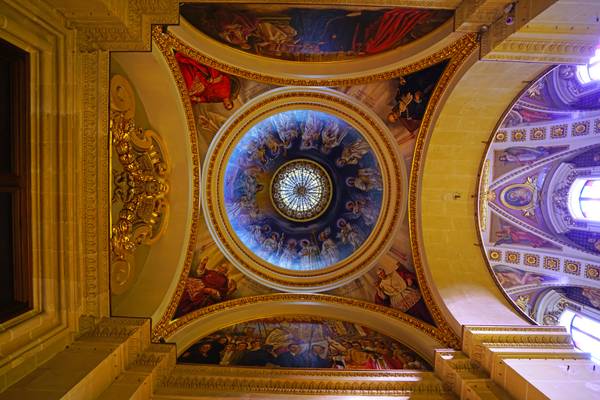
x=90 y=365
x=499 y=362
x=546 y=31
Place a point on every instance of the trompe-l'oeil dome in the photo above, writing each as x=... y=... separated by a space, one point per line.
x=298 y=189
x=303 y=189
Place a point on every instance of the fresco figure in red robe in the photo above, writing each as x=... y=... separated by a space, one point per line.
x=206 y=287
x=205 y=84
x=388 y=31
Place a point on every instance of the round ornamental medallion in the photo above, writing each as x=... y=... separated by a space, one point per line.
x=301 y=190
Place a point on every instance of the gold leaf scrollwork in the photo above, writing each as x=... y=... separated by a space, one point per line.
x=140 y=185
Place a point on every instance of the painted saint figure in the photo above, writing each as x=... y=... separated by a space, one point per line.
x=289 y=254
x=396 y=289
x=309 y=255
x=366 y=179
x=353 y=153
x=519 y=196
x=329 y=251
x=285 y=125
x=271 y=244
x=523 y=155
x=349 y=234
x=362 y=208
x=311 y=131
x=206 y=287
x=510 y=235
x=332 y=136
x=205 y=84
x=411 y=103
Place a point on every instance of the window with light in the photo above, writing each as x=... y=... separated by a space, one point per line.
x=585 y=332
x=591 y=71
x=584 y=199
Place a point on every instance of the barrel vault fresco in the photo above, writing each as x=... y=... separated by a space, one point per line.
x=310 y=33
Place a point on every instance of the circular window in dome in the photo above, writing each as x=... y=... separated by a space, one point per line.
x=301 y=190
x=300 y=193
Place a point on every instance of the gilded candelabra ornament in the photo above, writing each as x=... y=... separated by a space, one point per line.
x=140 y=185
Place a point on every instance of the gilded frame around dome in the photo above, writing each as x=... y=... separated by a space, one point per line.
x=393 y=205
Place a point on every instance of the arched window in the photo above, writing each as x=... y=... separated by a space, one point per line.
x=585 y=332
x=584 y=199
x=591 y=71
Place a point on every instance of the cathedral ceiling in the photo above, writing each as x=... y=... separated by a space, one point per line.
x=249 y=134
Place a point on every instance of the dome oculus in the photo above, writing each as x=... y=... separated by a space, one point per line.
x=301 y=190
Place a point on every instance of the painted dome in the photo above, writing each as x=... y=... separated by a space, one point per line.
x=303 y=189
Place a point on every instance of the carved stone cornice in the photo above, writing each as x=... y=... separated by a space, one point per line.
x=476 y=338
x=534 y=35
x=471 y=15
x=118 y=328
x=195 y=379
x=94 y=191
x=464 y=378
x=485 y=368
x=521 y=47
x=487 y=346
x=116 y=25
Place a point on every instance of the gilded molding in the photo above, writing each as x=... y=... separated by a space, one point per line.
x=392 y=208
x=542 y=50
x=238 y=371
x=206 y=379
x=464 y=47
x=196 y=212
x=164 y=330
x=484 y=194
x=168 y=43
